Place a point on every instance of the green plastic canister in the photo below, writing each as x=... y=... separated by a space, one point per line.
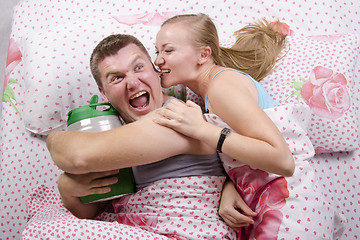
x=97 y=117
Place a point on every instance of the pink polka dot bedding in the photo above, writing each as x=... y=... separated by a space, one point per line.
x=316 y=86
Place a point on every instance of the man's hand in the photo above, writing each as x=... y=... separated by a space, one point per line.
x=73 y=186
x=79 y=185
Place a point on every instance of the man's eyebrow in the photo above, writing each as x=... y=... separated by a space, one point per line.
x=111 y=73
x=135 y=58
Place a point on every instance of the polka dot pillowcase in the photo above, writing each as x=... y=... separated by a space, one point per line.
x=58 y=77
x=318 y=71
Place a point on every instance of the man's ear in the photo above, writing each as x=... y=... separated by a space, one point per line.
x=205 y=55
x=103 y=94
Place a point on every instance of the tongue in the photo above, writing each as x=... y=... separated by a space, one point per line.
x=139 y=102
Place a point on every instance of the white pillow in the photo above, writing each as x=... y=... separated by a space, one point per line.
x=327 y=66
x=58 y=76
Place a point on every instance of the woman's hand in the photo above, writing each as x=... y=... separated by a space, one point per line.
x=186 y=118
x=233 y=209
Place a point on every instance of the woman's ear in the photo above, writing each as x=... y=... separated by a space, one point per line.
x=205 y=55
x=103 y=94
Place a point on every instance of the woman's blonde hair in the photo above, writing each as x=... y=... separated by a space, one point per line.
x=257 y=48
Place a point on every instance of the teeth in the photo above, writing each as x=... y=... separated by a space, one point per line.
x=138 y=95
x=165 y=71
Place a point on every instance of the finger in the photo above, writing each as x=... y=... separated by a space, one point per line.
x=235 y=225
x=239 y=219
x=235 y=216
x=190 y=103
x=240 y=204
x=169 y=117
x=104 y=182
x=176 y=102
x=164 y=121
x=99 y=190
x=96 y=175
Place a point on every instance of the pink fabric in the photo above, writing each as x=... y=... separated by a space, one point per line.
x=287 y=207
x=13 y=58
x=266 y=194
x=25 y=161
x=179 y=208
x=326 y=93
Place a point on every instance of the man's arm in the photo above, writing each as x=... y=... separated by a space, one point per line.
x=133 y=144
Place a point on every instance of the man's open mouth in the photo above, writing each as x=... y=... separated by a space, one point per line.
x=140 y=100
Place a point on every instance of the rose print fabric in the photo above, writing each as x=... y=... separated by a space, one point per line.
x=14 y=57
x=326 y=93
x=287 y=207
x=319 y=71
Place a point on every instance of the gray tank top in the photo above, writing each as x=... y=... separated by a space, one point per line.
x=183 y=165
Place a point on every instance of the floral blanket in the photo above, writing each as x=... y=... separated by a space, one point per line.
x=287 y=207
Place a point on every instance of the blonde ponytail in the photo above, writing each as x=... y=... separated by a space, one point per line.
x=257 y=49
x=255 y=52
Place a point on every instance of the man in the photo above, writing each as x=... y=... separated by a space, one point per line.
x=126 y=77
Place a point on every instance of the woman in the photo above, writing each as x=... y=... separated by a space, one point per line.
x=190 y=42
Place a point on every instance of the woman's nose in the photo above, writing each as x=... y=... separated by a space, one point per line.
x=159 y=60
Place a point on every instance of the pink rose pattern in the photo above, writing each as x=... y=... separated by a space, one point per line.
x=13 y=58
x=136 y=220
x=325 y=92
x=149 y=19
x=328 y=38
x=265 y=194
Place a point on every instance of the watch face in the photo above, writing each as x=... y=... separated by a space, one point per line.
x=225 y=131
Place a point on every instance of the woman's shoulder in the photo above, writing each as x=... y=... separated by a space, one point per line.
x=231 y=77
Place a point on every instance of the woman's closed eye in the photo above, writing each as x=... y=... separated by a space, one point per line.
x=165 y=51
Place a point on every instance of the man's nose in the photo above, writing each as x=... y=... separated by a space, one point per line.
x=132 y=82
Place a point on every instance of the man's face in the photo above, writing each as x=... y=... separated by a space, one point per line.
x=130 y=83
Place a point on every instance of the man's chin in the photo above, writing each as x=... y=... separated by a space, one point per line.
x=139 y=113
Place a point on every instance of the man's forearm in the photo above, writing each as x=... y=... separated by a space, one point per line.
x=138 y=143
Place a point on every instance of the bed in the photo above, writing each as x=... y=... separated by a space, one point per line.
x=47 y=75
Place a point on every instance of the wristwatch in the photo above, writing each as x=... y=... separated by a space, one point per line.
x=224 y=133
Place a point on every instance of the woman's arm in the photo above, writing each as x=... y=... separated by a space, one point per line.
x=257 y=142
x=137 y=143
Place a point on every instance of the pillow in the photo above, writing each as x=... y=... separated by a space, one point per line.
x=56 y=61
x=287 y=207
x=318 y=71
